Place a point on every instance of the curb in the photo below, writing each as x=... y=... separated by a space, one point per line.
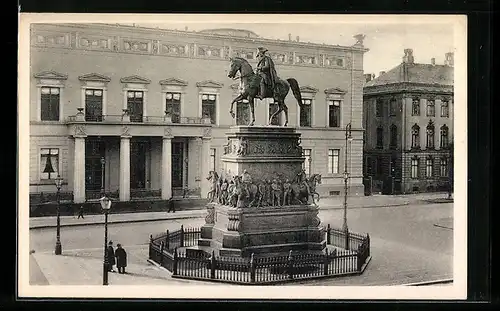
x=435 y=282
x=117 y=221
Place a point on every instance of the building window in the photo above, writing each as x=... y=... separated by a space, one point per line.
x=431 y=108
x=93 y=104
x=306 y=113
x=394 y=137
x=307 y=162
x=415 y=107
x=428 y=167
x=208 y=107
x=173 y=106
x=49 y=163
x=444 y=136
x=135 y=100
x=443 y=167
x=393 y=107
x=380 y=138
x=50 y=100
x=242 y=113
x=379 y=108
x=334 y=113
x=415 y=136
x=273 y=107
x=333 y=161
x=393 y=166
x=445 y=112
x=430 y=135
x=212 y=159
x=414 y=167
x=380 y=162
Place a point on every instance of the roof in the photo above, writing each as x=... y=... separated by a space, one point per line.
x=415 y=73
x=231 y=32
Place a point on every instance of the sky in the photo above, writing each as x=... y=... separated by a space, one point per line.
x=386 y=39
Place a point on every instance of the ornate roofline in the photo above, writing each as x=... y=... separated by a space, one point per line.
x=49 y=74
x=259 y=40
x=94 y=77
x=135 y=79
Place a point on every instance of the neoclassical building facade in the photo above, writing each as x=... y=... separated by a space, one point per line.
x=408 y=116
x=143 y=112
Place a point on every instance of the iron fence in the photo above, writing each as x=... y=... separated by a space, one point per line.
x=164 y=249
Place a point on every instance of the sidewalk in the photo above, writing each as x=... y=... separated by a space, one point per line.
x=373 y=201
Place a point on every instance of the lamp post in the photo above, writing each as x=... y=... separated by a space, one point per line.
x=103 y=161
x=58 y=181
x=106 y=205
x=310 y=161
x=345 y=228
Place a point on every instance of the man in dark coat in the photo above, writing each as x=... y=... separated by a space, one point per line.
x=266 y=69
x=171 y=205
x=80 y=212
x=111 y=257
x=121 y=258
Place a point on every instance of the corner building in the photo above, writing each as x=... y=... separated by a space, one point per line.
x=142 y=113
x=408 y=116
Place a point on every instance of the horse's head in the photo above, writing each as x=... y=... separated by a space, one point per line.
x=235 y=67
x=316 y=178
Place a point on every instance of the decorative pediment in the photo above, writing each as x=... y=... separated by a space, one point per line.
x=308 y=89
x=335 y=90
x=173 y=81
x=51 y=75
x=94 y=77
x=210 y=84
x=135 y=79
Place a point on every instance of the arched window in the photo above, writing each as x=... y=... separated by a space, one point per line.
x=415 y=136
x=444 y=137
x=430 y=135
x=394 y=137
x=414 y=167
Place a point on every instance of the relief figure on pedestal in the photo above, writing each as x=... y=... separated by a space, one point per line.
x=287 y=192
x=276 y=193
x=242 y=149
x=213 y=177
x=304 y=187
x=227 y=147
x=224 y=198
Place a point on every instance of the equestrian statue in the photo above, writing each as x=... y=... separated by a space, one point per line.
x=265 y=83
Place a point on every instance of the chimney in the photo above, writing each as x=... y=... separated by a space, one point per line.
x=408 y=58
x=433 y=61
x=297 y=38
x=368 y=77
x=448 y=59
x=381 y=73
x=289 y=37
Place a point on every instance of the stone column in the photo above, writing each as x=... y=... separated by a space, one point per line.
x=125 y=168
x=166 y=168
x=79 y=170
x=205 y=163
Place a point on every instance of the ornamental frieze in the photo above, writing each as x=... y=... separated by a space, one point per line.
x=174 y=49
x=242 y=147
x=279 y=57
x=334 y=61
x=306 y=59
x=243 y=53
x=54 y=39
x=207 y=51
x=94 y=43
x=136 y=45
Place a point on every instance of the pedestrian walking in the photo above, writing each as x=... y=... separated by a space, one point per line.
x=171 y=205
x=80 y=212
x=121 y=258
x=111 y=257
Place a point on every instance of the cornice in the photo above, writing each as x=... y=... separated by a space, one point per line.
x=216 y=37
x=135 y=79
x=51 y=75
x=407 y=87
x=209 y=84
x=308 y=89
x=173 y=81
x=94 y=77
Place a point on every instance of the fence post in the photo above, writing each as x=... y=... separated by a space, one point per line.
x=162 y=245
x=326 y=262
x=252 y=269
x=290 y=265
x=328 y=238
x=176 y=259
x=367 y=245
x=346 y=239
x=167 y=240
x=212 y=265
x=150 y=246
x=182 y=236
x=359 y=258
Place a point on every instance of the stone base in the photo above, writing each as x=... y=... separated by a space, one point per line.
x=262 y=231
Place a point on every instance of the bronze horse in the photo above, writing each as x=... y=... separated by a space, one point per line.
x=300 y=192
x=250 y=84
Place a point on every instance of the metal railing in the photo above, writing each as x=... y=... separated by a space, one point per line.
x=164 y=249
x=137 y=119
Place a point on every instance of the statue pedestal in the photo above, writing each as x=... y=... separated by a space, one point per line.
x=259 y=162
x=262 y=231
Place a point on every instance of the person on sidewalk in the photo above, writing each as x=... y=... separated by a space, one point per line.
x=171 y=205
x=111 y=257
x=121 y=258
x=80 y=212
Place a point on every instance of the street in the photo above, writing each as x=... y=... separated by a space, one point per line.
x=409 y=244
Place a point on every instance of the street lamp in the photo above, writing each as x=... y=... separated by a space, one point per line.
x=106 y=205
x=348 y=139
x=103 y=161
x=58 y=181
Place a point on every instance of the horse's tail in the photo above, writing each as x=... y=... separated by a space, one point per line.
x=294 y=85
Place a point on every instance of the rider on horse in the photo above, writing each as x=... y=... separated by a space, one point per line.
x=302 y=179
x=267 y=71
